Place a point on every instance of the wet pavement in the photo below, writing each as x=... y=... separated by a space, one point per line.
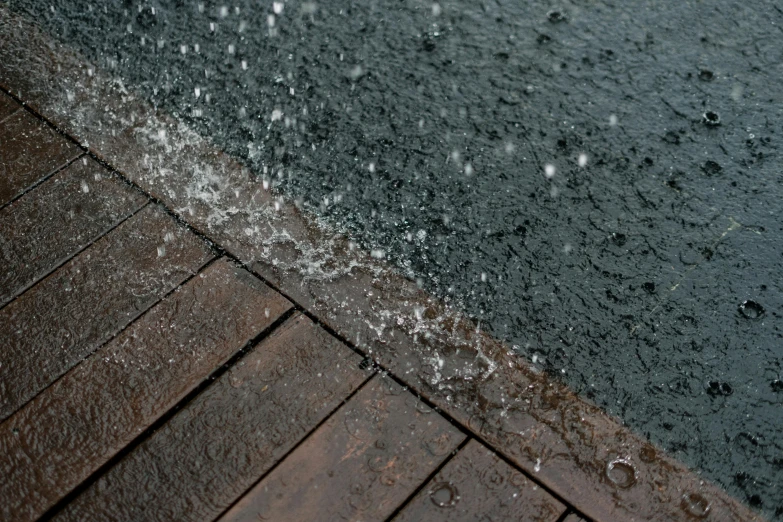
x=646 y=278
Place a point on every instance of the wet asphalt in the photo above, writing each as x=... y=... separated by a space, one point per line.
x=597 y=182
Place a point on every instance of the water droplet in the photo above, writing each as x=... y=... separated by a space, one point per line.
x=695 y=505
x=387 y=480
x=647 y=453
x=711 y=168
x=751 y=309
x=356 y=72
x=621 y=473
x=277 y=7
x=235 y=380
x=444 y=495
x=715 y=389
x=439 y=445
x=354 y=426
x=582 y=161
x=378 y=463
x=549 y=171
x=555 y=16
x=711 y=118
x=613 y=120
x=618 y=238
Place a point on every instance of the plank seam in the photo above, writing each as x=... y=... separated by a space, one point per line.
x=42 y=180
x=68 y=258
x=301 y=441
x=165 y=417
x=429 y=478
x=144 y=312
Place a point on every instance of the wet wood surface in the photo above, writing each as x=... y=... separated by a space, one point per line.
x=65 y=317
x=8 y=106
x=29 y=150
x=477 y=485
x=63 y=216
x=218 y=446
x=67 y=432
x=360 y=465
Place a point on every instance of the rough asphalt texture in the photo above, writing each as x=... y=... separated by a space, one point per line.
x=649 y=279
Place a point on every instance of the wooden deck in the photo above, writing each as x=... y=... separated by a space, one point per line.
x=146 y=377
x=158 y=364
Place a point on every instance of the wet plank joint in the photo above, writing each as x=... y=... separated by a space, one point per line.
x=76 y=425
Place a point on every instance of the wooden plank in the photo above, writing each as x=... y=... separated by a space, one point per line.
x=8 y=106
x=67 y=432
x=212 y=451
x=64 y=318
x=360 y=465
x=58 y=219
x=477 y=485
x=29 y=150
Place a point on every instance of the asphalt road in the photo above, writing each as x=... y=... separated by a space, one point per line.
x=597 y=182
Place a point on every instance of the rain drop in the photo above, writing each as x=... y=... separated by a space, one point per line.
x=751 y=309
x=444 y=495
x=621 y=473
x=695 y=505
x=711 y=118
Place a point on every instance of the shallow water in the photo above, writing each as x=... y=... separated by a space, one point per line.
x=599 y=185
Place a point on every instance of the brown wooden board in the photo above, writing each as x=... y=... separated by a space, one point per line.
x=67 y=432
x=477 y=485
x=360 y=465
x=212 y=451
x=8 y=106
x=50 y=224
x=65 y=317
x=29 y=150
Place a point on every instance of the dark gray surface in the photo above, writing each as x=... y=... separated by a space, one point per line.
x=626 y=277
